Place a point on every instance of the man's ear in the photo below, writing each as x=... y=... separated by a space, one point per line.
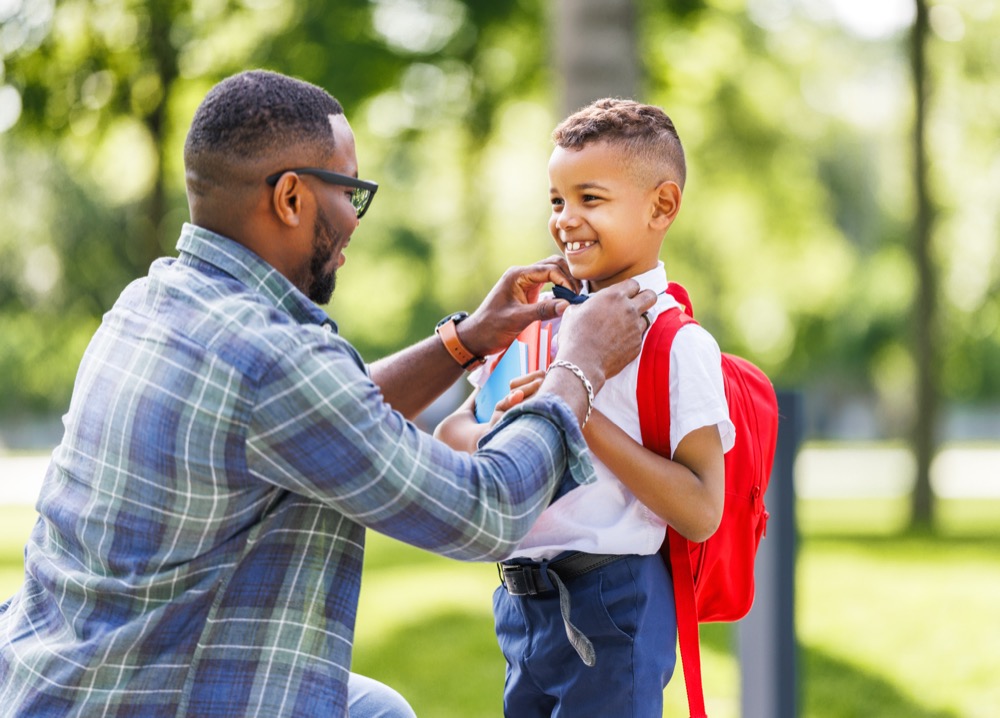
x=286 y=199
x=667 y=203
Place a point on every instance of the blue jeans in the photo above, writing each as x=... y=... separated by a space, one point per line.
x=367 y=698
x=626 y=609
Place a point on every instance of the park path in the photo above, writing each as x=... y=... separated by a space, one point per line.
x=821 y=471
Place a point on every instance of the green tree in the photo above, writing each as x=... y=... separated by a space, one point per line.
x=926 y=336
x=794 y=237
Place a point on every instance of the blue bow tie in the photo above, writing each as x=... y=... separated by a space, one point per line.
x=569 y=295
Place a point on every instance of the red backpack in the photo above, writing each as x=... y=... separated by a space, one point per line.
x=713 y=580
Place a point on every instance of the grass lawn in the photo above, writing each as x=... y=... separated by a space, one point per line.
x=890 y=624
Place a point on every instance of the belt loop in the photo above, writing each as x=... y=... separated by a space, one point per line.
x=541 y=580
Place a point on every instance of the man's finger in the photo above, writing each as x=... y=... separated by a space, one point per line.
x=550 y=308
x=630 y=287
x=545 y=273
x=646 y=299
x=550 y=269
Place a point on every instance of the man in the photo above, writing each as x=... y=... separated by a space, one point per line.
x=202 y=522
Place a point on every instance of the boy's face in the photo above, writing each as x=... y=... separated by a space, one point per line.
x=602 y=216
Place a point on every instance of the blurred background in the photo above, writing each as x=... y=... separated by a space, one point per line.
x=840 y=228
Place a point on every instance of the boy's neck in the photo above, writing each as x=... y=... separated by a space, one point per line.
x=604 y=284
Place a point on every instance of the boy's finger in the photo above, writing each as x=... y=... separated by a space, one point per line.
x=527 y=379
x=511 y=400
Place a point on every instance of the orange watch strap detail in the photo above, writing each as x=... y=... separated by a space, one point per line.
x=449 y=337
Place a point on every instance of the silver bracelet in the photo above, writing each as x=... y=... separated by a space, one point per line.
x=582 y=377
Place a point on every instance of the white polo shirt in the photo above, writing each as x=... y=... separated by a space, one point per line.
x=604 y=516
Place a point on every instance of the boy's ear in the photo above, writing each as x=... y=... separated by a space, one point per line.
x=667 y=203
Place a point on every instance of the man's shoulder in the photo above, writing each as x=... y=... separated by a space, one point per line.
x=212 y=313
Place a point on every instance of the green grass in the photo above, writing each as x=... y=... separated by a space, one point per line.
x=890 y=624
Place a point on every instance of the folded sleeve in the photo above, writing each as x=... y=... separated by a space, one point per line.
x=321 y=428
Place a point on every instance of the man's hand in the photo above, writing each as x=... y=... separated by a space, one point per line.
x=513 y=304
x=604 y=334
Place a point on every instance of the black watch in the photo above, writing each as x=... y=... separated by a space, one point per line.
x=445 y=329
x=456 y=317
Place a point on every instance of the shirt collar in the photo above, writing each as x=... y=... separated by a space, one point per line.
x=655 y=279
x=197 y=243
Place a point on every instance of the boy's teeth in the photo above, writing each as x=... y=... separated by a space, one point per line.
x=574 y=246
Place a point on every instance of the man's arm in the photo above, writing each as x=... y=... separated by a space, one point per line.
x=414 y=377
x=321 y=429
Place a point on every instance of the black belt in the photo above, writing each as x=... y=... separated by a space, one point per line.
x=531 y=579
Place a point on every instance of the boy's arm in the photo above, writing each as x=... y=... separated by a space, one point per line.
x=687 y=492
x=461 y=431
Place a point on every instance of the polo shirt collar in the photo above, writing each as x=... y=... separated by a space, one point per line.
x=232 y=258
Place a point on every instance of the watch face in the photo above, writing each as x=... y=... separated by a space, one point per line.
x=456 y=317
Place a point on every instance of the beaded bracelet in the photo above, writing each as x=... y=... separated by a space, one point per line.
x=582 y=377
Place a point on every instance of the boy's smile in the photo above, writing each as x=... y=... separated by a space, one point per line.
x=573 y=247
x=606 y=223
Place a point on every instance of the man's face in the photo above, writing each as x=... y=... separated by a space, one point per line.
x=323 y=268
x=336 y=218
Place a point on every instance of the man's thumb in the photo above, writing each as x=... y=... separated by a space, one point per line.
x=550 y=308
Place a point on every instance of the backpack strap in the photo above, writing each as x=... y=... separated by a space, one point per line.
x=687 y=621
x=678 y=292
x=653 y=399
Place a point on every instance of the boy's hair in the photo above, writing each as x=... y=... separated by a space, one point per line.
x=257 y=113
x=645 y=134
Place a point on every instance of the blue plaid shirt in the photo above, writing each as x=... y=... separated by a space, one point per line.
x=201 y=528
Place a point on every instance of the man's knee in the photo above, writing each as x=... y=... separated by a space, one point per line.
x=367 y=698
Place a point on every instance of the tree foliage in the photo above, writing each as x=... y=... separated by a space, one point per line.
x=792 y=238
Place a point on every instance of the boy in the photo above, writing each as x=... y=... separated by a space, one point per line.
x=616 y=175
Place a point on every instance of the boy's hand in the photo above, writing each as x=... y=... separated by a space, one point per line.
x=513 y=304
x=520 y=389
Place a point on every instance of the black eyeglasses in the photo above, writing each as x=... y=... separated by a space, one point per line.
x=361 y=197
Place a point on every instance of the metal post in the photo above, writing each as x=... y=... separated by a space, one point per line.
x=767 y=649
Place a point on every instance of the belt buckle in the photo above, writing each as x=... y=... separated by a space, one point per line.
x=525 y=579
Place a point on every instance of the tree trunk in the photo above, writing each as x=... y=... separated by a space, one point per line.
x=594 y=51
x=163 y=56
x=925 y=316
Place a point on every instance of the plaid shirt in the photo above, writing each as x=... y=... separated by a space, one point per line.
x=201 y=528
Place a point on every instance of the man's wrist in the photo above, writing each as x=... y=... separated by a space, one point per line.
x=579 y=374
x=447 y=330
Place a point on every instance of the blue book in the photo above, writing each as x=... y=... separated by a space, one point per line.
x=512 y=364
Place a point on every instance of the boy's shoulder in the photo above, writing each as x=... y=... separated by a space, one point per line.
x=692 y=340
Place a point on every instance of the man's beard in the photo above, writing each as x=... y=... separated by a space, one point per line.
x=324 y=245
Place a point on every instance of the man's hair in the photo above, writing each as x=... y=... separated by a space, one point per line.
x=644 y=133
x=258 y=113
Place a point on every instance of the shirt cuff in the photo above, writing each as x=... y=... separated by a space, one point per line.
x=555 y=411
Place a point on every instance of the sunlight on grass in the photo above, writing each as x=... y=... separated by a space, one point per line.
x=430 y=590
x=719 y=673
x=908 y=611
x=889 y=623
x=15 y=525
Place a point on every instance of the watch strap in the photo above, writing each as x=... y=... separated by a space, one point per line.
x=449 y=337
